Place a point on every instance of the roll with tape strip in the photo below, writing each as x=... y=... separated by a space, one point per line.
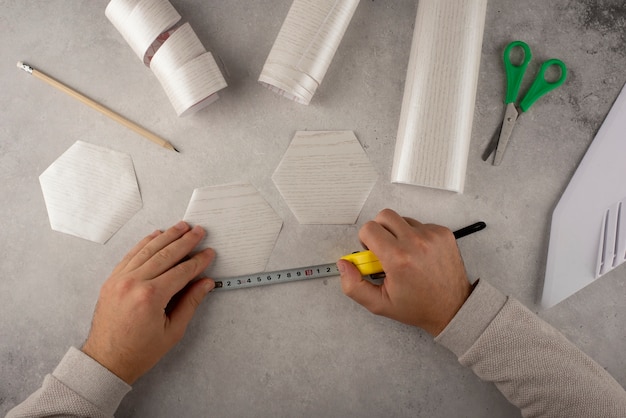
x=186 y=70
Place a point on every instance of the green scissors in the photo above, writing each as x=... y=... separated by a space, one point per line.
x=514 y=76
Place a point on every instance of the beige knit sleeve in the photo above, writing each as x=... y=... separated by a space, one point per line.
x=534 y=366
x=79 y=387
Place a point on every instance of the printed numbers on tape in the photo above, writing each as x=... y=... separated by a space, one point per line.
x=282 y=276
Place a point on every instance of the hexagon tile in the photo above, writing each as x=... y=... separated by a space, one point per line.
x=90 y=191
x=241 y=227
x=325 y=177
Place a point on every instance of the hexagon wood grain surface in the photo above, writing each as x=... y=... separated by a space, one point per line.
x=241 y=227
x=325 y=177
x=90 y=191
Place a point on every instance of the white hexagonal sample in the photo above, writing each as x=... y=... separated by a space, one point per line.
x=241 y=227
x=325 y=177
x=90 y=191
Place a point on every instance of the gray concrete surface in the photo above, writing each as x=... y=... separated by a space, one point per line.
x=300 y=349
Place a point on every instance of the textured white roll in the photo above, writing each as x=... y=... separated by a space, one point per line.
x=305 y=47
x=194 y=85
x=435 y=126
x=141 y=21
x=188 y=73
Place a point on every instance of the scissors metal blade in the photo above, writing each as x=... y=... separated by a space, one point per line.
x=510 y=116
x=493 y=144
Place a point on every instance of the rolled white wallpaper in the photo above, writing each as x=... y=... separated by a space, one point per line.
x=305 y=47
x=435 y=126
x=187 y=72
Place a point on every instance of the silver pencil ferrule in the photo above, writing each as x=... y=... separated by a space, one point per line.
x=26 y=68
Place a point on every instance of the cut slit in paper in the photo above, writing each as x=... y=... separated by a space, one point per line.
x=90 y=192
x=305 y=46
x=240 y=226
x=612 y=248
x=188 y=73
x=588 y=233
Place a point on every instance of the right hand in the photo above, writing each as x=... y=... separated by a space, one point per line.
x=425 y=283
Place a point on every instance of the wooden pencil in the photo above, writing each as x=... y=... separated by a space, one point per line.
x=97 y=106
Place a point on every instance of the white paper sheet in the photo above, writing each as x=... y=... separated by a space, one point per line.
x=241 y=227
x=90 y=192
x=590 y=214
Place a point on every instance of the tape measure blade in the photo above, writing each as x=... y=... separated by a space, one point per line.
x=274 y=277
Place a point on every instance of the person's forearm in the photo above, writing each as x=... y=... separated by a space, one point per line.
x=79 y=386
x=534 y=366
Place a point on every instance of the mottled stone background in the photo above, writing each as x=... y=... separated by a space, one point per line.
x=300 y=349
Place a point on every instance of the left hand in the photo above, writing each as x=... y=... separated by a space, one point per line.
x=131 y=329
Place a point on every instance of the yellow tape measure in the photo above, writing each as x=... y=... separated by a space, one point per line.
x=366 y=261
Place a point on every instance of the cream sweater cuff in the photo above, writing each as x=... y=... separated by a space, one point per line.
x=92 y=381
x=482 y=306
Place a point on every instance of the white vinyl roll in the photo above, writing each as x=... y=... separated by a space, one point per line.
x=435 y=126
x=141 y=21
x=194 y=85
x=187 y=72
x=305 y=47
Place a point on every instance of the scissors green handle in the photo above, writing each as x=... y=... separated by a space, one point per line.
x=514 y=76
x=541 y=86
x=515 y=73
